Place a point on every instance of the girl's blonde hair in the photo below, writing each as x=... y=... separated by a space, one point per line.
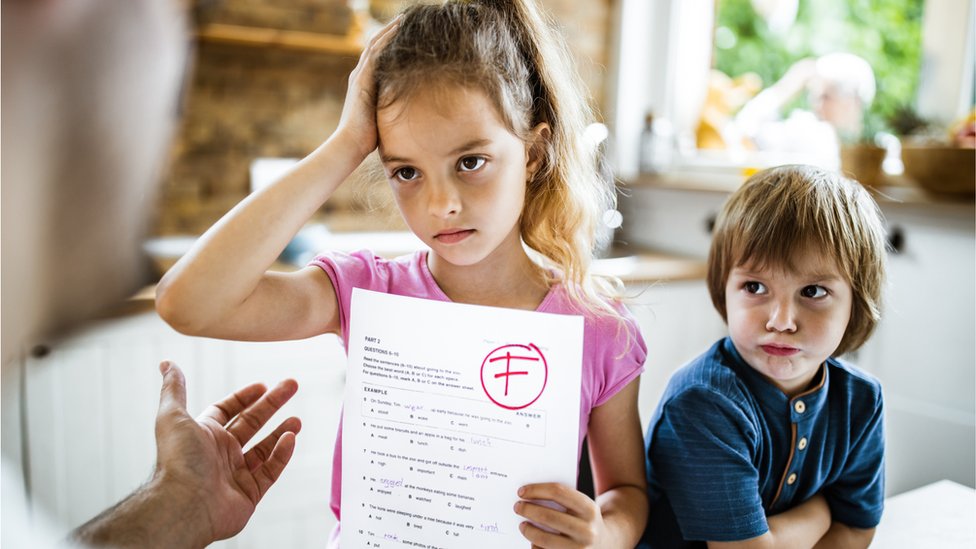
x=781 y=210
x=511 y=52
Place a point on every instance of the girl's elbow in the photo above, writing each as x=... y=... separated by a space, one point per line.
x=172 y=308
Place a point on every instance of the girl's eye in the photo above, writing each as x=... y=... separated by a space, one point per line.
x=813 y=291
x=471 y=163
x=754 y=287
x=405 y=174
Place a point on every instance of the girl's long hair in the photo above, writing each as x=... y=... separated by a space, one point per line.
x=509 y=50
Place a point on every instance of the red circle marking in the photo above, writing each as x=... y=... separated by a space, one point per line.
x=508 y=373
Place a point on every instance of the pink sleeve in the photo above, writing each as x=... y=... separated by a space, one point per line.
x=359 y=269
x=622 y=351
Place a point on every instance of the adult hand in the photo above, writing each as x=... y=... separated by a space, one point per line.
x=204 y=458
x=358 y=120
x=205 y=488
x=580 y=525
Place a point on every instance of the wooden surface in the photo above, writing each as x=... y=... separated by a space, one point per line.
x=294 y=40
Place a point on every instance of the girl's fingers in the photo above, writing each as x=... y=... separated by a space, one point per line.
x=542 y=539
x=385 y=32
x=576 y=503
x=557 y=522
x=361 y=75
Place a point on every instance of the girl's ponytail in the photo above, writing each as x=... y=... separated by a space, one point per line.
x=567 y=197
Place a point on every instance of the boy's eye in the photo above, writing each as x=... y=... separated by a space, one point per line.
x=754 y=287
x=471 y=163
x=813 y=291
x=405 y=174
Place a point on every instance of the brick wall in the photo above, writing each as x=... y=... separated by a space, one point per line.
x=245 y=102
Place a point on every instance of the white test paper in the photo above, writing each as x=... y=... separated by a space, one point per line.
x=449 y=409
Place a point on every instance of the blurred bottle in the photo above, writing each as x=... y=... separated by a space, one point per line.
x=656 y=145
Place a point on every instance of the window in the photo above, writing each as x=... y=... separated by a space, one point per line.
x=920 y=50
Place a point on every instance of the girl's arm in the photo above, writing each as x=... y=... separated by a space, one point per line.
x=618 y=516
x=617 y=457
x=220 y=288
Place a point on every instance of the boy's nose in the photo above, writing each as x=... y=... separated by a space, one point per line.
x=443 y=199
x=782 y=318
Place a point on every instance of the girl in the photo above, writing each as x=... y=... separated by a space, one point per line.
x=478 y=119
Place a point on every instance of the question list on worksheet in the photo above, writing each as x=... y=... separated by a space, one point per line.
x=449 y=409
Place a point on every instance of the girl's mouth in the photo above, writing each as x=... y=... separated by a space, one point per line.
x=452 y=236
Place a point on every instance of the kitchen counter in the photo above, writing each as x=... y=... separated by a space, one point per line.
x=898 y=190
x=632 y=265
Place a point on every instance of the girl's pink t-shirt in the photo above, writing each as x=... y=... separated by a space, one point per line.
x=612 y=357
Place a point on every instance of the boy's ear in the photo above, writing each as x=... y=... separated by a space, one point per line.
x=535 y=147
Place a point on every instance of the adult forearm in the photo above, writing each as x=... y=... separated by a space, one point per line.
x=841 y=536
x=225 y=266
x=152 y=516
x=624 y=511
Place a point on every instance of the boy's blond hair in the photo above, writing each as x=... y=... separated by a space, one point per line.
x=788 y=208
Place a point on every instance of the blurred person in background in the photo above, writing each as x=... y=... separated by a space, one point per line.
x=839 y=89
x=90 y=98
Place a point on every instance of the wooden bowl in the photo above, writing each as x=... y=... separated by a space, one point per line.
x=941 y=169
x=863 y=163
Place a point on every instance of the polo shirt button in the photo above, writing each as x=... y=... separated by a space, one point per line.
x=802 y=444
x=791 y=479
x=800 y=407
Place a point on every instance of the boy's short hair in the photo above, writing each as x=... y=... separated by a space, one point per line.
x=783 y=209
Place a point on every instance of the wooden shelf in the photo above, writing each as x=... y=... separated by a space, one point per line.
x=277 y=38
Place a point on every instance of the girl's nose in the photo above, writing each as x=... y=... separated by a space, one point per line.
x=782 y=317
x=443 y=199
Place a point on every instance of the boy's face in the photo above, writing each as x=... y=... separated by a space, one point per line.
x=786 y=321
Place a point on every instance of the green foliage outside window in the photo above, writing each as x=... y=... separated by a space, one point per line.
x=887 y=33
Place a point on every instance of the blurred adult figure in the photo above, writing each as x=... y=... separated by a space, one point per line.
x=839 y=89
x=90 y=98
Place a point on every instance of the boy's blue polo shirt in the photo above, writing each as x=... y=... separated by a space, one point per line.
x=726 y=448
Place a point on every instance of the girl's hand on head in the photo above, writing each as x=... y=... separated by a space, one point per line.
x=358 y=120
x=580 y=525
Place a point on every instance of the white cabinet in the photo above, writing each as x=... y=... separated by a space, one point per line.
x=90 y=407
x=678 y=323
x=923 y=350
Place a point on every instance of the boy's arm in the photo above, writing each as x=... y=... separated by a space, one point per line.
x=800 y=527
x=856 y=498
x=700 y=455
x=220 y=288
x=841 y=536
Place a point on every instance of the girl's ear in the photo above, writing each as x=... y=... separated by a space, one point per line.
x=535 y=147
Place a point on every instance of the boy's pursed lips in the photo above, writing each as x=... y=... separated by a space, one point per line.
x=777 y=349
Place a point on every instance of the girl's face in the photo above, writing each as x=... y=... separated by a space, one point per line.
x=786 y=322
x=458 y=174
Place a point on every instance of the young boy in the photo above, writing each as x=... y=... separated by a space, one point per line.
x=767 y=439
